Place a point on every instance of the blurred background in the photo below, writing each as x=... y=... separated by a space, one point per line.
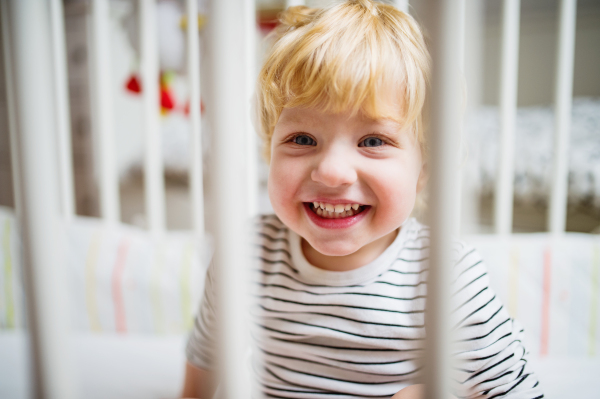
x=537 y=69
x=132 y=296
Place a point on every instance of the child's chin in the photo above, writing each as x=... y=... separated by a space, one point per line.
x=333 y=249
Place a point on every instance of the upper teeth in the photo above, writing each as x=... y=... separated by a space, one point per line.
x=337 y=208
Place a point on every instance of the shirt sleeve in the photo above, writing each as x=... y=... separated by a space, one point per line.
x=201 y=346
x=491 y=358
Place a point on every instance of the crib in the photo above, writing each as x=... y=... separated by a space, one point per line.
x=94 y=307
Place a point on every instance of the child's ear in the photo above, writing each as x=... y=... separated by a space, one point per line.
x=423 y=177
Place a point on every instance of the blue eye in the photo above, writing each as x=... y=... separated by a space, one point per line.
x=371 y=142
x=303 y=139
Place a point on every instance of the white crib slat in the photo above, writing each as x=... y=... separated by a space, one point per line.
x=63 y=125
x=227 y=108
x=44 y=272
x=401 y=5
x=461 y=29
x=292 y=3
x=11 y=108
x=193 y=67
x=469 y=201
x=441 y=21
x=103 y=122
x=503 y=211
x=461 y=26
x=153 y=165
x=252 y=180
x=562 y=114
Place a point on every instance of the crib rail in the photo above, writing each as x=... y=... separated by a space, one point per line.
x=401 y=5
x=228 y=96
x=508 y=110
x=508 y=107
x=32 y=23
x=63 y=126
x=102 y=113
x=442 y=24
x=557 y=211
x=39 y=204
x=154 y=183
x=193 y=66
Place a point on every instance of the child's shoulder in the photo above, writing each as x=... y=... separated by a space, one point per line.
x=268 y=221
x=464 y=255
x=269 y=228
x=416 y=231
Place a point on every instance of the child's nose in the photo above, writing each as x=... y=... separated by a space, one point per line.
x=334 y=169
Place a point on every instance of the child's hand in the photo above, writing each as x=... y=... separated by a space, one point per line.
x=411 y=392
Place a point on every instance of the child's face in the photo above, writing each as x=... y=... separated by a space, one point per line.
x=340 y=159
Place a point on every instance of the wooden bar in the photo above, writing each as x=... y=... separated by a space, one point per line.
x=63 y=120
x=503 y=211
x=102 y=112
x=193 y=70
x=473 y=57
x=292 y=3
x=154 y=182
x=563 y=99
x=227 y=110
x=441 y=22
x=461 y=26
x=402 y=5
x=42 y=230
x=252 y=180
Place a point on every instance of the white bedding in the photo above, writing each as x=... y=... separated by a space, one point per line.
x=568 y=377
x=152 y=367
x=551 y=286
x=107 y=366
x=534 y=151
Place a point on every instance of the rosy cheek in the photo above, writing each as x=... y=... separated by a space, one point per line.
x=276 y=191
x=281 y=185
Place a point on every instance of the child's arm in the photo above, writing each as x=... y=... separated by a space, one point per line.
x=200 y=349
x=491 y=359
x=198 y=383
x=411 y=392
x=416 y=391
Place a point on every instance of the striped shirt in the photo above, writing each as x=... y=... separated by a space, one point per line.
x=360 y=333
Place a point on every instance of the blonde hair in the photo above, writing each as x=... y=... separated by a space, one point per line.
x=343 y=58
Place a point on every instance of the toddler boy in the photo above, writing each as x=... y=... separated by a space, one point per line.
x=342 y=275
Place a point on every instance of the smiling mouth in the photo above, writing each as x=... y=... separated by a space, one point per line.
x=337 y=211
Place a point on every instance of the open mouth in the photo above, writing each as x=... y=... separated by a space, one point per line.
x=335 y=211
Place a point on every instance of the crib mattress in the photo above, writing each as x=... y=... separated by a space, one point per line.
x=534 y=142
x=151 y=367
x=106 y=366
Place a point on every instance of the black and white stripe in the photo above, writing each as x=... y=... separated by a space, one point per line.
x=365 y=339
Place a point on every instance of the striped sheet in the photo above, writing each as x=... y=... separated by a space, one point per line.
x=121 y=279
x=550 y=285
x=126 y=281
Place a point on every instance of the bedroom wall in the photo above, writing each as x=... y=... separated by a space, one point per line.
x=537 y=53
